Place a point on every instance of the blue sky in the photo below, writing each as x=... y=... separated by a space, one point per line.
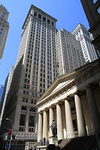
x=68 y=13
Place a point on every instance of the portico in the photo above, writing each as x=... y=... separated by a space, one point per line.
x=72 y=102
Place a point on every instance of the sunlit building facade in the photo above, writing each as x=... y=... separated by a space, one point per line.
x=35 y=70
x=85 y=38
x=73 y=102
x=92 y=11
x=4 y=27
x=69 y=53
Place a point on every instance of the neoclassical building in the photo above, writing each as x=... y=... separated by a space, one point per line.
x=73 y=101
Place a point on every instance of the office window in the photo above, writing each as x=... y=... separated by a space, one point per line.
x=98 y=10
x=22 y=119
x=39 y=16
x=48 y=21
x=44 y=19
x=23 y=108
x=35 y=14
x=31 y=120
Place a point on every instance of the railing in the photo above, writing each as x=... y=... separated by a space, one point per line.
x=90 y=142
x=73 y=135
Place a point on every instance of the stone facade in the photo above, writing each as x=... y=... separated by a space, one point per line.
x=73 y=102
x=92 y=11
x=4 y=27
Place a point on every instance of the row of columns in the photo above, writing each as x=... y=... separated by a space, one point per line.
x=43 y=120
x=43 y=130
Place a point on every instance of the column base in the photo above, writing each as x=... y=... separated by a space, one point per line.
x=53 y=140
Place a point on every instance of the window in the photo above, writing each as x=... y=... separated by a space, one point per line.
x=39 y=16
x=48 y=21
x=22 y=119
x=44 y=19
x=32 y=109
x=35 y=14
x=52 y=23
x=31 y=120
x=21 y=129
x=31 y=129
x=98 y=10
x=23 y=108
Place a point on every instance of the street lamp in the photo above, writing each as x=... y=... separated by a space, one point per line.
x=11 y=132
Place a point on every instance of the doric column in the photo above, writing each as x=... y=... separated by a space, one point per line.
x=69 y=123
x=59 y=122
x=80 y=117
x=93 y=109
x=39 y=126
x=94 y=114
x=27 y=119
x=51 y=117
x=45 y=124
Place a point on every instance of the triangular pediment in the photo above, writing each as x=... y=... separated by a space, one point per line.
x=60 y=85
x=66 y=79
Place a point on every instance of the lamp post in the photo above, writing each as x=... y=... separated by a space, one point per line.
x=11 y=132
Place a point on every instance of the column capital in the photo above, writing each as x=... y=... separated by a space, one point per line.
x=40 y=112
x=78 y=93
x=46 y=109
x=88 y=86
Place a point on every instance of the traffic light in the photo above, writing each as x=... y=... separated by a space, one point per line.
x=9 y=131
x=9 y=134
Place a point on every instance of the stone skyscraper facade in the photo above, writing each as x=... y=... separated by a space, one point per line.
x=69 y=53
x=85 y=38
x=35 y=70
x=4 y=27
x=92 y=11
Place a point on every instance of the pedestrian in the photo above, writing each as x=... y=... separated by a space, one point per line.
x=47 y=142
x=44 y=140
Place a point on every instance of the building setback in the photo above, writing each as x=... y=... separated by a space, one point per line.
x=4 y=27
x=69 y=53
x=85 y=38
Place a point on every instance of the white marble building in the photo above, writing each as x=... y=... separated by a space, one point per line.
x=73 y=101
x=85 y=38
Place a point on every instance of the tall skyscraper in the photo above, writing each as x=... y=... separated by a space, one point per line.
x=38 y=45
x=4 y=27
x=35 y=70
x=69 y=52
x=92 y=11
x=85 y=38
